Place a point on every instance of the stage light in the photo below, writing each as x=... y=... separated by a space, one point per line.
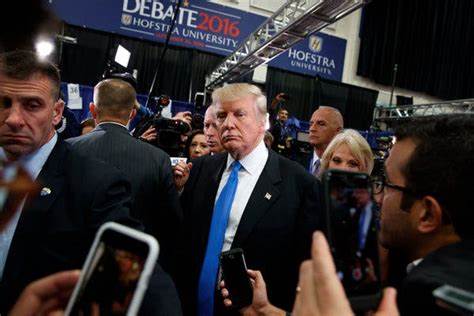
x=122 y=56
x=44 y=48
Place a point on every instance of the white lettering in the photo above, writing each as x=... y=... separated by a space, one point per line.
x=169 y=12
x=157 y=8
x=134 y=10
x=144 y=7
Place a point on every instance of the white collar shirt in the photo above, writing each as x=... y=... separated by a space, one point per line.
x=32 y=163
x=252 y=167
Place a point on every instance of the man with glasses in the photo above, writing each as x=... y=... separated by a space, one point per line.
x=427 y=199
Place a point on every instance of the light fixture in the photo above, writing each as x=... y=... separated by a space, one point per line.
x=122 y=56
x=44 y=48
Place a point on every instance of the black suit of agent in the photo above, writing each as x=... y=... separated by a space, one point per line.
x=155 y=200
x=55 y=230
x=275 y=229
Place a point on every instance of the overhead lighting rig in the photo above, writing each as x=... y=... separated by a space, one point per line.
x=396 y=113
x=293 y=22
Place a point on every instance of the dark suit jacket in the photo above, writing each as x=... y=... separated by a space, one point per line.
x=453 y=265
x=274 y=233
x=155 y=200
x=304 y=159
x=55 y=231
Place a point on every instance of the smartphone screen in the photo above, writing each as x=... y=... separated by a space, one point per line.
x=237 y=281
x=111 y=278
x=352 y=221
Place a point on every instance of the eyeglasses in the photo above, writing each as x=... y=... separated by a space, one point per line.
x=380 y=184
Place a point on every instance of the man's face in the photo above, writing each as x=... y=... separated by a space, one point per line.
x=397 y=229
x=28 y=114
x=323 y=128
x=240 y=127
x=210 y=130
x=283 y=115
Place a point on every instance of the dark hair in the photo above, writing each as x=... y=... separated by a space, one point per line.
x=22 y=65
x=440 y=165
x=192 y=134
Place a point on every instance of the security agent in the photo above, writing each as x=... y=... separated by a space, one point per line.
x=148 y=168
x=54 y=229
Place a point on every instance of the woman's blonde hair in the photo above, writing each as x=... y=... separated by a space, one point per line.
x=358 y=146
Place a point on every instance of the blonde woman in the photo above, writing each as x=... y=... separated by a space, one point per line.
x=348 y=151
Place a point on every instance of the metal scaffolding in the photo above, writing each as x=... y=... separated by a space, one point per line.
x=293 y=22
x=394 y=113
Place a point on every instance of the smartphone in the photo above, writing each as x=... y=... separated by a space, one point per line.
x=116 y=273
x=454 y=299
x=351 y=227
x=237 y=281
x=176 y=160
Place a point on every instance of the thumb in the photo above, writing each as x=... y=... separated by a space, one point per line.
x=388 y=305
x=190 y=165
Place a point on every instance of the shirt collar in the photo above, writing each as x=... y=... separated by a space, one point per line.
x=34 y=162
x=253 y=160
x=413 y=264
x=315 y=156
x=110 y=122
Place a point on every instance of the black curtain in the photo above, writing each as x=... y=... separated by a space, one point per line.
x=300 y=88
x=85 y=62
x=308 y=93
x=355 y=103
x=430 y=40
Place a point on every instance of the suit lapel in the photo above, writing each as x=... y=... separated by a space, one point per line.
x=264 y=195
x=35 y=210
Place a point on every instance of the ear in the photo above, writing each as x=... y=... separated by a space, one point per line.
x=93 y=110
x=132 y=115
x=430 y=215
x=58 y=108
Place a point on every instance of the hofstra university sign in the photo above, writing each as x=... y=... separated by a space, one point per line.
x=200 y=25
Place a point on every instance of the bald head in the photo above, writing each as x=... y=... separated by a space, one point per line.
x=210 y=130
x=326 y=122
x=114 y=99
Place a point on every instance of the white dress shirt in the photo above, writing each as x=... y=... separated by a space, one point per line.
x=32 y=163
x=313 y=162
x=252 y=167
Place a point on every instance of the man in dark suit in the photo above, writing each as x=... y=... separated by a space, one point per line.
x=269 y=206
x=326 y=122
x=148 y=168
x=427 y=207
x=53 y=230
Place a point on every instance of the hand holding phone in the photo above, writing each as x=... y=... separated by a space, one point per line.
x=351 y=227
x=237 y=281
x=116 y=273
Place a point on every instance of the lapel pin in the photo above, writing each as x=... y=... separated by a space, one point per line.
x=268 y=196
x=45 y=191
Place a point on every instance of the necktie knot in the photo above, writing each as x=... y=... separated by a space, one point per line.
x=236 y=166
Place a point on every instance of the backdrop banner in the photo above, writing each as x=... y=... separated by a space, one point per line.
x=200 y=25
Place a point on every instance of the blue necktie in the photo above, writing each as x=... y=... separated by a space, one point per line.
x=220 y=217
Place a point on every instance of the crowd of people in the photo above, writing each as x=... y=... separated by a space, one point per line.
x=232 y=192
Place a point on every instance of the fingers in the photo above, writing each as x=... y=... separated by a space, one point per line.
x=227 y=302
x=388 y=305
x=225 y=293
x=330 y=294
x=46 y=294
x=306 y=301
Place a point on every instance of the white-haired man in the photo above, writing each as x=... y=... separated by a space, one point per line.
x=249 y=198
x=326 y=122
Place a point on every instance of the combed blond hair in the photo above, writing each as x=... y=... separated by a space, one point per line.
x=358 y=146
x=235 y=91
